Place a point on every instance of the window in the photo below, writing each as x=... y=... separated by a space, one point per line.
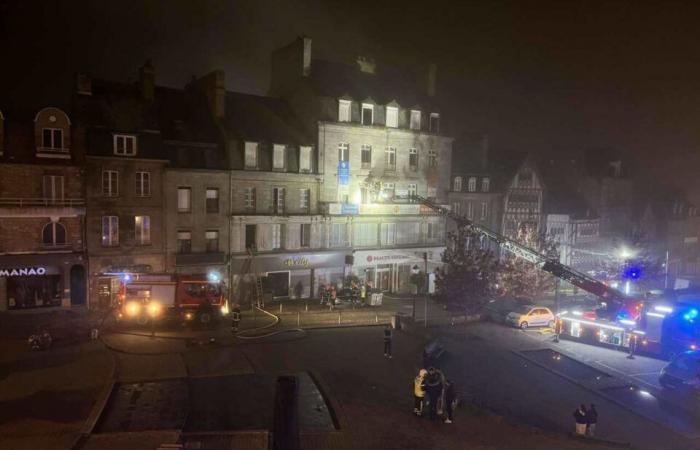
x=485 y=182
x=364 y=234
x=412 y=189
x=278 y=200
x=432 y=159
x=110 y=231
x=388 y=234
x=344 y=110
x=415 y=119
x=343 y=151
x=184 y=199
x=434 y=231
x=143 y=184
x=53 y=187
x=124 y=145
x=407 y=233
x=276 y=236
x=388 y=190
x=458 y=184
x=470 y=210
x=471 y=187
x=110 y=183
x=184 y=242
x=251 y=155
x=413 y=159
x=212 y=200
x=484 y=210
x=390 y=158
x=249 y=198
x=52 y=138
x=367 y=114
x=251 y=232
x=305 y=235
x=392 y=116
x=434 y=122
x=53 y=234
x=339 y=235
x=366 y=156
x=304 y=197
x=278 y=157
x=212 y=239
x=304 y=159
x=142 y=229
x=456 y=207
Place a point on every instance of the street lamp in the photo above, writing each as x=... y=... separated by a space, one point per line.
x=415 y=271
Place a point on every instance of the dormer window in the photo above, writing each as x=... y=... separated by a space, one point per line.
x=434 y=122
x=457 y=184
x=367 y=114
x=251 y=155
x=278 y=157
x=124 y=145
x=304 y=159
x=52 y=134
x=344 y=110
x=471 y=187
x=415 y=119
x=392 y=116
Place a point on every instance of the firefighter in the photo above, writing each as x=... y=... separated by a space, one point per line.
x=419 y=392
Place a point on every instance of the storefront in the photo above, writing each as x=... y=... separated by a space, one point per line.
x=288 y=275
x=390 y=270
x=41 y=281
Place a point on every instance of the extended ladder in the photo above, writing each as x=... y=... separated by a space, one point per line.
x=249 y=269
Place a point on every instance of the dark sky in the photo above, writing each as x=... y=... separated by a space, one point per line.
x=555 y=76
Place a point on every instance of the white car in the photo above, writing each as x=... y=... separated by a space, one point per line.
x=531 y=316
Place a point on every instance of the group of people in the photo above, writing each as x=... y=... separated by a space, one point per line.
x=328 y=293
x=432 y=388
x=359 y=292
x=586 y=420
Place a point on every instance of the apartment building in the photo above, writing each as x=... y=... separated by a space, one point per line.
x=42 y=211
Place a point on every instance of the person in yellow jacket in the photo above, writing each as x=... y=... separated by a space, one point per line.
x=419 y=392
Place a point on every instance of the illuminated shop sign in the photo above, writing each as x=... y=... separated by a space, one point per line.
x=299 y=261
x=22 y=272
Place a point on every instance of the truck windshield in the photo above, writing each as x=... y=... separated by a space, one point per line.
x=203 y=290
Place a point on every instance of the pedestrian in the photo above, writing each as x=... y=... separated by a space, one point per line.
x=433 y=387
x=581 y=421
x=334 y=295
x=363 y=293
x=591 y=420
x=450 y=400
x=235 y=318
x=419 y=392
x=322 y=293
x=387 y=341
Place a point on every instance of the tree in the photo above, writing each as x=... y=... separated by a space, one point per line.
x=520 y=278
x=469 y=276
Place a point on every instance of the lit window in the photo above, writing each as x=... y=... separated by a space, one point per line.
x=364 y=234
x=344 y=110
x=276 y=236
x=304 y=196
x=278 y=157
x=388 y=234
x=366 y=156
x=390 y=158
x=392 y=116
x=343 y=151
x=305 y=159
x=458 y=184
x=212 y=199
x=184 y=242
x=388 y=190
x=212 y=239
x=143 y=184
x=110 y=183
x=367 y=114
x=53 y=234
x=432 y=159
x=142 y=228
x=251 y=155
x=110 y=231
x=413 y=159
x=472 y=184
x=434 y=122
x=124 y=145
x=184 y=199
x=485 y=185
x=249 y=198
x=278 y=200
x=415 y=119
x=412 y=189
x=52 y=138
x=339 y=235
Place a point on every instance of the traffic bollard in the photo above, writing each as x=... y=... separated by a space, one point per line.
x=339 y=312
x=298 y=319
x=280 y=308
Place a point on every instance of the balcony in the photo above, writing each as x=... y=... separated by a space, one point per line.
x=41 y=207
x=50 y=152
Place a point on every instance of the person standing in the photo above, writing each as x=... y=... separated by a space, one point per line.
x=235 y=318
x=433 y=387
x=450 y=400
x=591 y=420
x=581 y=421
x=419 y=392
x=387 y=341
x=363 y=293
x=322 y=293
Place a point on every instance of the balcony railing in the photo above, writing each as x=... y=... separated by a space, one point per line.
x=26 y=202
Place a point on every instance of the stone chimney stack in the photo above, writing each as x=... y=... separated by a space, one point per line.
x=147 y=81
x=83 y=84
x=432 y=80
x=213 y=86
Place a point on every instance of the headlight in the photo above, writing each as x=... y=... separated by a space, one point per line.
x=133 y=308
x=189 y=316
x=154 y=309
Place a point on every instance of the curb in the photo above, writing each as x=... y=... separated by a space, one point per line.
x=334 y=407
x=595 y=441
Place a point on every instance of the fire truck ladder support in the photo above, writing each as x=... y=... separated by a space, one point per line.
x=576 y=278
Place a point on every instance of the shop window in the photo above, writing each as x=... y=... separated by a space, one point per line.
x=53 y=234
x=33 y=291
x=212 y=200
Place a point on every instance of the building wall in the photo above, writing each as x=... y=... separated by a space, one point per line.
x=264 y=183
x=523 y=201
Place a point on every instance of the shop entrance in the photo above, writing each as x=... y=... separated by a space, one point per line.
x=384 y=278
x=278 y=283
x=77 y=285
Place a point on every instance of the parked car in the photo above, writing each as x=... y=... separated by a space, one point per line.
x=497 y=309
x=531 y=316
x=682 y=372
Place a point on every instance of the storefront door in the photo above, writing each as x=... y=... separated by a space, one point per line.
x=384 y=278
x=77 y=285
x=278 y=283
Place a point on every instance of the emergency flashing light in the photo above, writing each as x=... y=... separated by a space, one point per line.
x=632 y=273
x=126 y=277
x=691 y=315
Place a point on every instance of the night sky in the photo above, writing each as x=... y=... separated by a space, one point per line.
x=555 y=77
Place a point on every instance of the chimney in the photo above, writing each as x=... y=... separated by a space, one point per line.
x=366 y=65
x=213 y=86
x=306 y=56
x=432 y=79
x=83 y=84
x=147 y=80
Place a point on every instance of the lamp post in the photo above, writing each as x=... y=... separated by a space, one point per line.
x=415 y=271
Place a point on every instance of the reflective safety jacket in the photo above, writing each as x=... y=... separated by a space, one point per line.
x=419 y=386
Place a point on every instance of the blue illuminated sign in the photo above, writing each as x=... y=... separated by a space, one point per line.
x=350 y=209
x=343 y=173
